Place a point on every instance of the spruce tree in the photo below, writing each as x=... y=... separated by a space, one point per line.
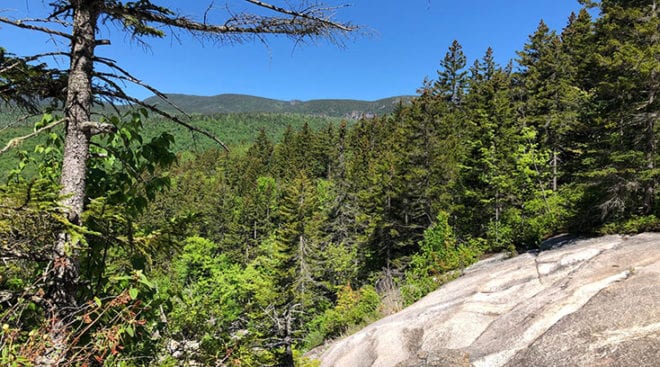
x=623 y=156
x=452 y=76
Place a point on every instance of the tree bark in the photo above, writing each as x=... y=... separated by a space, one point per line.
x=63 y=279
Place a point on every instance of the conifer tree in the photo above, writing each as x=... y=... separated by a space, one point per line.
x=544 y=82
x=481 y=187
x=577 y=41
x=298 y=255
x=623 y=155
x=257 y=162
x=451 y=76
x=341 y=229
x=372 y=168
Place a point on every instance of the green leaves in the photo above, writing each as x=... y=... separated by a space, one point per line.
x=439 y=255
x=127 y=169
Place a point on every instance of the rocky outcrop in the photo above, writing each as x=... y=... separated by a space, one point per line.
x=593 y=302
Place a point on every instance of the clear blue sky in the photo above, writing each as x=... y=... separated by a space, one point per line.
x=401 y=43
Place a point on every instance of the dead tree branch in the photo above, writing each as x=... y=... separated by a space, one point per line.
x=17 y=141
x=22 y=24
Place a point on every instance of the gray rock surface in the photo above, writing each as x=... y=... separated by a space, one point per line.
x=593 y=302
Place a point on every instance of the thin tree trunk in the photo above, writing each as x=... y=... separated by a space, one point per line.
x=649 y=198
x=64 y=276
x=554 y=170
x=287 y=359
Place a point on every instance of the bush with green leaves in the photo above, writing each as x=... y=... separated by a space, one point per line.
x=636 y=224
x=113 y=315
x=439 y=257
x=352 y=309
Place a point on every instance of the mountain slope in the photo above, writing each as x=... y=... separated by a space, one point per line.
x=230 y=103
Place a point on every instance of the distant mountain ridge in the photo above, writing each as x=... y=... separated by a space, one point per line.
x=236 y=103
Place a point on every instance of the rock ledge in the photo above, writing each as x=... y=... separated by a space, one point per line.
x=593 y=302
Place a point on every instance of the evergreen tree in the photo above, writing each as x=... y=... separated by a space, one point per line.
x=341 y=229
x=543 y=81
x=283 y=165
x=297 y=252
x=258 y=161
x=622 y=157
x=483 y=180
x=372 y=170
x=578 y=43
x=451 y=76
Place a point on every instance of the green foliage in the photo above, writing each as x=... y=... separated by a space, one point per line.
x=237 y=130
x=237 y=103
x=261 y=253
x=439 y=256
x=352 y=309
x=209 y=296
x=620 y=164
x=633 y=225
x=125 y=167
x=27 y=86
x=109 y=323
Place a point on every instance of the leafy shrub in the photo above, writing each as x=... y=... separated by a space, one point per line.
x=649 y=223
x=353 y=308
x=439 y=256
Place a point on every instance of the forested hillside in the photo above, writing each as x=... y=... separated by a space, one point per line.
x=233 y=103
x=238 y=132
x=249 y=259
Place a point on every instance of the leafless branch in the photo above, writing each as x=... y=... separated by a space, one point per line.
x=46 y=20
x=305 y=14
x=21 y=24
x=21 y=61
x=17 y=141
x=208 y=10
x=310 y=22
x=123 y=96
x=126 y=76
x=18 y=121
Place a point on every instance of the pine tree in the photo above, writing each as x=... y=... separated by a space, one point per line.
x=451 y=76
x=341 y=229
x=257 y=162
x=544 y=82
x=372 y=170
x=482 y=184
x=577 y=40
x=297 y=255
x=623 y=157
x=283 y=165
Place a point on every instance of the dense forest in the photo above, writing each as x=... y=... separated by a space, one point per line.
x=252 y=258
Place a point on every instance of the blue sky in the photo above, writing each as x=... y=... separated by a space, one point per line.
x=401 y=42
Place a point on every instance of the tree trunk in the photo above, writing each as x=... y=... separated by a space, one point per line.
x=287 y=358
x=554 y=170
x=64 y=276
x=649 y=199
